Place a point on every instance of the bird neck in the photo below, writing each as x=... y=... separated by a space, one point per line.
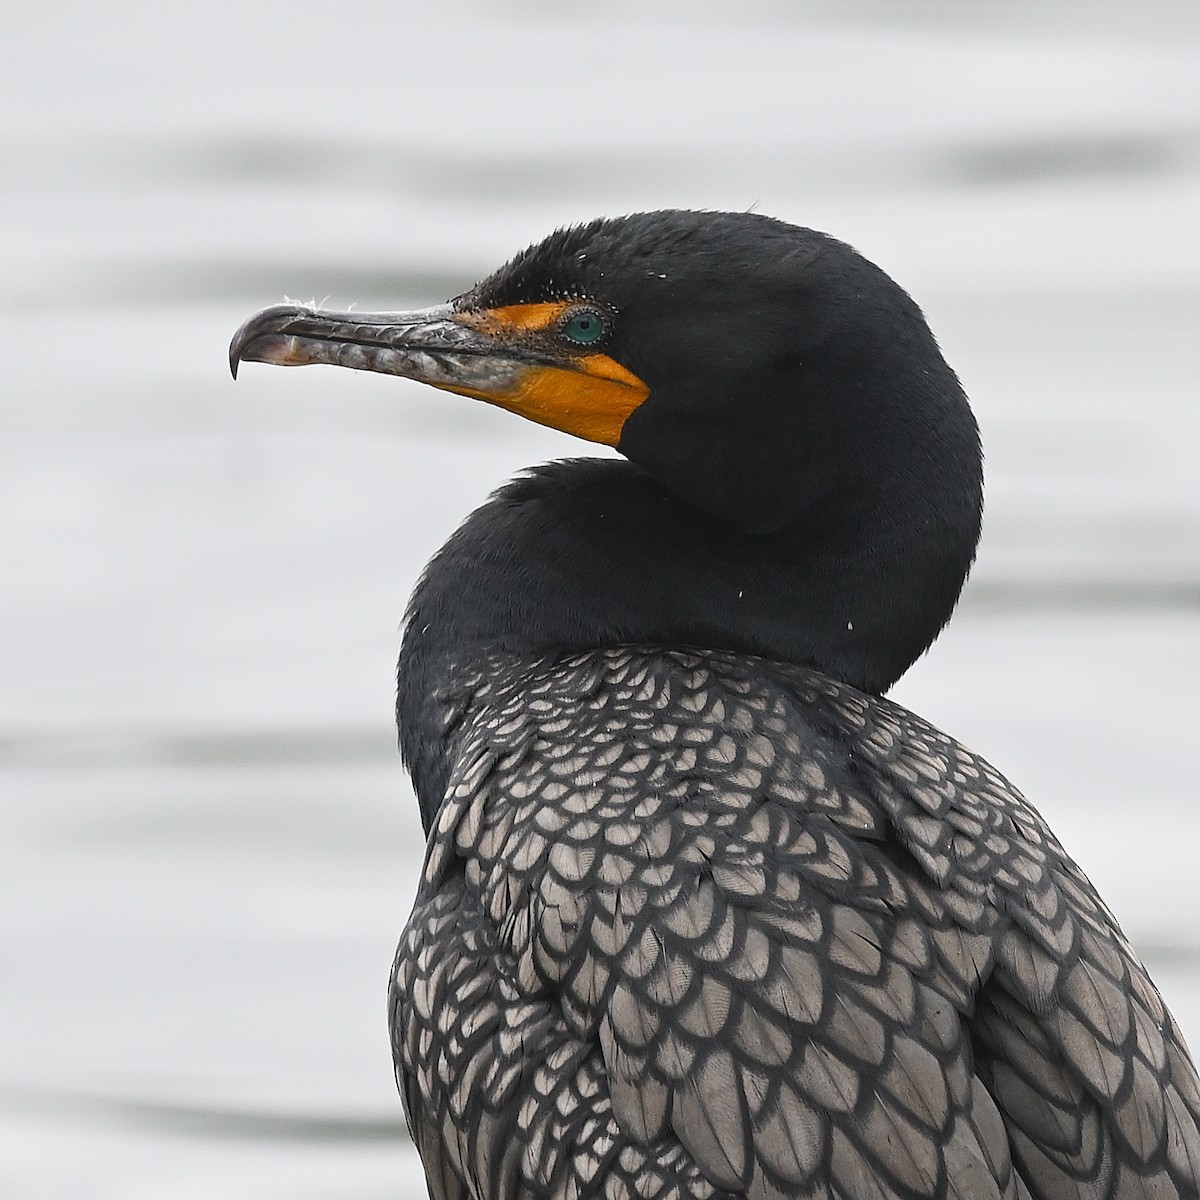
x=593 y=553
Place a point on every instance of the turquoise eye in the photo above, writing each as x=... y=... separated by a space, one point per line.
x=584 y=326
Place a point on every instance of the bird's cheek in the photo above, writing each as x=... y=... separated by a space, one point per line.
x=591 y=398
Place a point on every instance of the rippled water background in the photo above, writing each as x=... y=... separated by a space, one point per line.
x=208 y=847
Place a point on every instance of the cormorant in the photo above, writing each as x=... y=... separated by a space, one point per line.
x=703 y=914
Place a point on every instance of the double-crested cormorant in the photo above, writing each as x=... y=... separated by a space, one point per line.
x=702 y=913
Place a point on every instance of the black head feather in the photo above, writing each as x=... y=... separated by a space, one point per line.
x=805 y=478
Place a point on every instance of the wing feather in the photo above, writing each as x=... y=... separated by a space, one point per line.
x=705 y=927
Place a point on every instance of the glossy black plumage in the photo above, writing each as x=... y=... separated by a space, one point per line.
x=704 y=915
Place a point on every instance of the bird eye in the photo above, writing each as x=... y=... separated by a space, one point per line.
x=584 y=326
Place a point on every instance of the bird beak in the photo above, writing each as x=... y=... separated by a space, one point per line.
x=502 y=356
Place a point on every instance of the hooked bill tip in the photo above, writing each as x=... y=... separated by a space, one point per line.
x=263 y=328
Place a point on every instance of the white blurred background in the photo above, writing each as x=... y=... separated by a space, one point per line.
x=208 y=846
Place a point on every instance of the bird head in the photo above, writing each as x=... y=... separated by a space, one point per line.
x=752 y=366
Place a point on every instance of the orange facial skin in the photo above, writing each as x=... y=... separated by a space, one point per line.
x=590 y=395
